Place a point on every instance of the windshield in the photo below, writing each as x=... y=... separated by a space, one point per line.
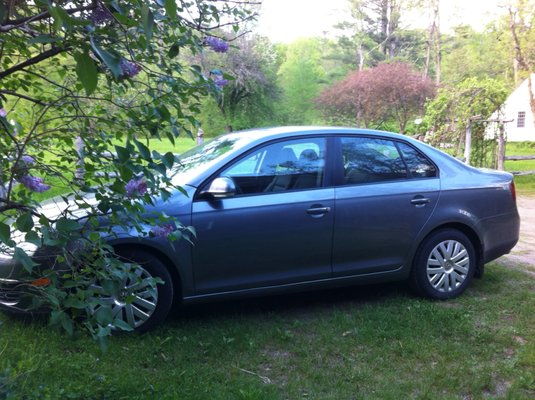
x=202 y=156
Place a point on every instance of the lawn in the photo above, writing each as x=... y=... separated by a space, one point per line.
x=524 y=183
x=373 y=342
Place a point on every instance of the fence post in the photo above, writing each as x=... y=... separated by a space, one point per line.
x=501 y=147
x=80 y=168
x=200 y=136
x=468 y=142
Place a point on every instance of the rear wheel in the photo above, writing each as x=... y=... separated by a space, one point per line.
x=138 y=303
x=444 y=265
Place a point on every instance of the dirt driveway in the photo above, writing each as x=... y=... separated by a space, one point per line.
x=523 y=255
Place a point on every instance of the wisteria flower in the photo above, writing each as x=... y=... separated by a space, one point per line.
x=34 y=183
x=129 y=68
x=100 y=15
x=136 y=187
x=163 y=231
x=216 y=44
x=3 y=113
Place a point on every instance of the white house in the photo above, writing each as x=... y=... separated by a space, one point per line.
x=517 y=110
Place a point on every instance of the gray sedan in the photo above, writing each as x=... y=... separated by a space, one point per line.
x=294 y=208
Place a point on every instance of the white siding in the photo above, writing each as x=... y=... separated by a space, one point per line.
x=518 y=101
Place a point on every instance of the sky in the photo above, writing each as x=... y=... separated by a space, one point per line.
x=286 y=20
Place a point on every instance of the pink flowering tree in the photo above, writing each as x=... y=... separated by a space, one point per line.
x=85 y=86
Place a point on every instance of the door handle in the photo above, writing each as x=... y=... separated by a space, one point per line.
x=420 y=201
x=318 y=210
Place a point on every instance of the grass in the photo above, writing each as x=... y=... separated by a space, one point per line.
x=524 y=183
x=374 y=342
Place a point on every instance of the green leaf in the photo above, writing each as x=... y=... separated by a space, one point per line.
x=168 y=159
x=67 y=225
x=122 y=153
x=24 y=223
x=143 y=150
x=26 y=261
x=170 y=8
x=173 y=51
x=86 y=70
x=5 y=233
x=104 y=315
x=43 y=39
x=111 y=61
x=122 y=325
x=148 y=21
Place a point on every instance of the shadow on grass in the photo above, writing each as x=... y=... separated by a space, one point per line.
x=295 y=303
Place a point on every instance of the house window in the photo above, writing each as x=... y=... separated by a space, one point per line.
x=521 y=119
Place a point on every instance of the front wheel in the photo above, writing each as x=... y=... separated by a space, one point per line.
x=140 y=303
x=444 y=265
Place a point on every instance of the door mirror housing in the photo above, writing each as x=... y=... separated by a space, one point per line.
x=221 y=187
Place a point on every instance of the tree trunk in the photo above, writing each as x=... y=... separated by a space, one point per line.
x=438 y=56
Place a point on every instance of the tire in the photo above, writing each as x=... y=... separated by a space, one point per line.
x=444 y=265
x=148 y=308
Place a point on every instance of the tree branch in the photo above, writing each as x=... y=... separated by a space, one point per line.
x=23 y=96
x=34 y=60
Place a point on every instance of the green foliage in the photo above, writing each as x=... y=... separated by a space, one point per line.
x=300 y=77
x=84 y=86
x=471 y=54
x=455 y=107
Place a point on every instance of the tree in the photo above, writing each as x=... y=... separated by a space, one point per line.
x=374 y=96
x=91 y=78
x=248 y=97
x=300 y=78
x=459 y=107
x=373 y=34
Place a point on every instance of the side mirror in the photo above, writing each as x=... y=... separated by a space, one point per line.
x=221 y=187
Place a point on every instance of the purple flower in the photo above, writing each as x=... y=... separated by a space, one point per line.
x=3 y=113
x=100 y=15
x=163 y=231
x=136 y=187
x=34 y=183
x=28 y=160
x=216 y=44
x=220 y=81
x=129 y=68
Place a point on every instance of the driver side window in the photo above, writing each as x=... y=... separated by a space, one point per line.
x=281 y=166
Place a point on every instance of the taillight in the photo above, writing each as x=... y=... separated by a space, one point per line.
x=512 y=189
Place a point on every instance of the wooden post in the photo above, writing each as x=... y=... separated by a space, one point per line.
x=468 y=142
x=501 y=147
x=200 y=136
x=80 y=168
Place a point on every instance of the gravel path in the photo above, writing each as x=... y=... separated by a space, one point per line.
x=523 y=255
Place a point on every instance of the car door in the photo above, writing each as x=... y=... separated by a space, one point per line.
x=276 y=230
x=386 y=193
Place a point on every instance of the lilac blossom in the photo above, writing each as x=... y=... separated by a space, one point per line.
x=216 y=44
x=220 y=81
x=34 y=183
x=28 y=160
x=129 y=68
x=136 y=187
x=3 y=113
x=100 y=15
x=163 y=231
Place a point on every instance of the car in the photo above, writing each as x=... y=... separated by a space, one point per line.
x=300 y=208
